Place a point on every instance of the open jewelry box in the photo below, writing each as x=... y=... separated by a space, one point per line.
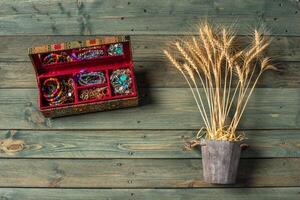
x=84 y=76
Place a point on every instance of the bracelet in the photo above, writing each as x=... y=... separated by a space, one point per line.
x=121 y=81
x=51 y=87
x=57 y=92
x=54 y=58
x=90 y=54
x=88 y=78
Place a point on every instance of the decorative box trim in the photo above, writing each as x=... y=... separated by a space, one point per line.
x=77 y=44
x=91 y=107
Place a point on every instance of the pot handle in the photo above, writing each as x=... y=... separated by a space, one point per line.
x=244 y=146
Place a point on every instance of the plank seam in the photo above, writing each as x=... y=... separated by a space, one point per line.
x=150 y=188
x=127 y=158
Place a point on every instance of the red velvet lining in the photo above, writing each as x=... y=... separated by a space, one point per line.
x=105 y=63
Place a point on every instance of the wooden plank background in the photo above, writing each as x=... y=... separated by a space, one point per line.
x=138 y=153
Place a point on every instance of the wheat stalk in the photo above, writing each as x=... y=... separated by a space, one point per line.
x=212 y=56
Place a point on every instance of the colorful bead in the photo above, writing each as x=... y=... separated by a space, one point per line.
x=90 y=54
x=84 y=54
x=54 y=58
x=57 y=92
x=51 y=87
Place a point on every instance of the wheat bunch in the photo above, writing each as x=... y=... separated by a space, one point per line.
x=227 y=75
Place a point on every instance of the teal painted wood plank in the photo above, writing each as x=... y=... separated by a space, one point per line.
x=153 y=69
x=143 y=17
x=161 y=108
x=135 y=144
x=147 y=48
x=139 y=7
x=151 y=75
x=291 y=193
x=145 y=173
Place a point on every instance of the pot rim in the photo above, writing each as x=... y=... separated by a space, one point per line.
x=221 y=141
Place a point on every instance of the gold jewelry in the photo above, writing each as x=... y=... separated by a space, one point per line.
x=93 y=93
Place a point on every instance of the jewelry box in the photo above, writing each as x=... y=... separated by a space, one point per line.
x=84 y=76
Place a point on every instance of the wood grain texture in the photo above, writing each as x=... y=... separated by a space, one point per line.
x=290 y=193
x=147 y=48
x=151 y=75
x=147 y=173
x=152 y=68
x=138 y=153
x=143 y=17
x=135 y=144
x=161 y=108
x=220 y=161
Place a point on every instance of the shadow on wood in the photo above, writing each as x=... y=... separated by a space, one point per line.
x=143 y=88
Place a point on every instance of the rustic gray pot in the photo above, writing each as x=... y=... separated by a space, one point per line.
x=220 y=160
